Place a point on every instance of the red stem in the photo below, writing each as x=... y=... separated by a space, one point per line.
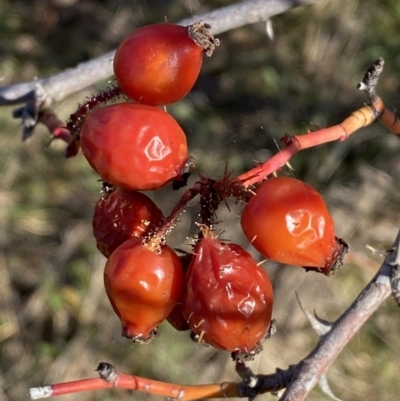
x=360 y=118
x=80 y=386
x=169 y=222
x=294 y=145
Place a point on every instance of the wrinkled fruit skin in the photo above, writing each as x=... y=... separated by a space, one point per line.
x=158 y=64
x=142 y=286
x=135 y=147
x=287 y=221
x=228 y=298
x=121 y=215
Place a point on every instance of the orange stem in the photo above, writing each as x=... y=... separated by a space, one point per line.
x=79 y=386
x=387 y=117
x=358 y=119
x=178 y=392
x=174 y=391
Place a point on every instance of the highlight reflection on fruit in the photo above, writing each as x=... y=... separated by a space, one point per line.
x=287 y=221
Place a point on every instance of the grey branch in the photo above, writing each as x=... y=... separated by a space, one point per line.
x=72 y=80
x=311 y=369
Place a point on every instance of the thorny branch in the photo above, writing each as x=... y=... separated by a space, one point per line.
x=312 y=368
x=298 y=379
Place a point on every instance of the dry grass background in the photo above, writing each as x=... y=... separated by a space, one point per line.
x=55 y=321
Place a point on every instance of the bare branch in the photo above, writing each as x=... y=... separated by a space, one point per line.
x=72 y=80
x=312 y=368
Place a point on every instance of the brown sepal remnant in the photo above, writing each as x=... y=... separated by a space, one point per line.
x=141 y=339
x=337 y=259
x=250 y=356
x=343 y=248
x=201 y=34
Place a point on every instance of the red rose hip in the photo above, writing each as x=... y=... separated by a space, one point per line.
x=135 y=147
x=143 y=285
x=120 y=215
x=287 y=221
x=159 y=64
x=228 y=298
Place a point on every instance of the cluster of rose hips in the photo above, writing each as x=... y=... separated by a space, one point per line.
x=219 y=292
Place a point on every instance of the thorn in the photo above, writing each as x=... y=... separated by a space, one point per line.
x=226 y=203
x=107 y=372
x=271 y=329
x=396 y=256
x=277 y=144
x=269 y=29
x=324 y=386
x=379 y=252
x=289 y=166
x=395 y=273
x=324 y=324
x=279 y=393
x=261 y=262
x=321 y=326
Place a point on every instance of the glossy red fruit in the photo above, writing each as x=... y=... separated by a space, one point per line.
x=287 y=221
x=143 y=286
x=121 y=215
x=135 y=147
x=158 y=64
x=228 y=298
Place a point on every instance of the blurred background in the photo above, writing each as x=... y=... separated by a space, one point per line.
x=55 y=321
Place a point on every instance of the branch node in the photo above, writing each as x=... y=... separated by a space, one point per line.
x=107 y=372
x=285 y=376
x=250 y=385
x=251 y=381
x=36 y=102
